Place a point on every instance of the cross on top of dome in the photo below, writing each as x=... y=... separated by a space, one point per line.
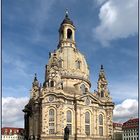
x=66 y=13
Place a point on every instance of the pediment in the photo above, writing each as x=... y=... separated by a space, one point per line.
x=89 y=96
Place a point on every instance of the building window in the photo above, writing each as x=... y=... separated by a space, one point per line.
x=69 y=34
x=101 y=125
x=51 y=121
x=102 y=94
x=78 y=64
x=5 y=131
x=100 y=130
x=100 y=119
x=15 y=131
x=51 y=83
x=10 y=132
x=69 y=121
x=60 y=63
x=87 y=123
x=83 y=88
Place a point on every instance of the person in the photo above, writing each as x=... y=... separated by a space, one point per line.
x=66 y=133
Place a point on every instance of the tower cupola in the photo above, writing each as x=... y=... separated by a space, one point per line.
x=67 y=19
x=35 y=88
x=35 y=82
x=67 y=32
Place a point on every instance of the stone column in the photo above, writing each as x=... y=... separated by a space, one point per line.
x=26 y=126
x=65 y=33
x=31 y=127
x=36 y=122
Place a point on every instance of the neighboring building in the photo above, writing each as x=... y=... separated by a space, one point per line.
x=117 y=131
x=131 y=129
x=65 y=98
x=10 y=133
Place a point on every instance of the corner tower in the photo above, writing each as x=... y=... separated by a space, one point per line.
x=102 y=86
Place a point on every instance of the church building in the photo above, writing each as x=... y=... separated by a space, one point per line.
x=65 y=98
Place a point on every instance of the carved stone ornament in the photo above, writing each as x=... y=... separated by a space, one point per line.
x=87 y=101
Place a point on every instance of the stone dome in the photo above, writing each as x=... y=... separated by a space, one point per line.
x=67 y=66
x=70 y=63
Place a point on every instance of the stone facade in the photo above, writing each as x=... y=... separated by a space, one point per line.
x=117 y=131
x=65 y=98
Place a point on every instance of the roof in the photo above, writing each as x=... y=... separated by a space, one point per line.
x=67 y=20
x=12 y=131
x=131 y=123
x=117 y=124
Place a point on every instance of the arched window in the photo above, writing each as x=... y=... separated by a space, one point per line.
x=83 y=88
x=69 y=34
x=101 y=125
x=87 y=123
x=51 y=121
x=69 y=121
x=100 y=119
x=60 y=63
x=102 y=94
x=78 y=64
x=51 y=83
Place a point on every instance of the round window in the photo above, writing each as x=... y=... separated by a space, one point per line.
x=51 y=98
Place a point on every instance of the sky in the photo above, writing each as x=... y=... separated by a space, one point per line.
x=106 y=33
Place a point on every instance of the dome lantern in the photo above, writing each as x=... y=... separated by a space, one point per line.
x=67 y=32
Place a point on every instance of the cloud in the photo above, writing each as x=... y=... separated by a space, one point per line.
x=99 y=2
x=16 y=65
x=16 y=91
x=118 y=19
x=12 y=114
x=129 y=52
x=40 y=18
x=124 y=111
x=123 y=90
x=33 y=20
